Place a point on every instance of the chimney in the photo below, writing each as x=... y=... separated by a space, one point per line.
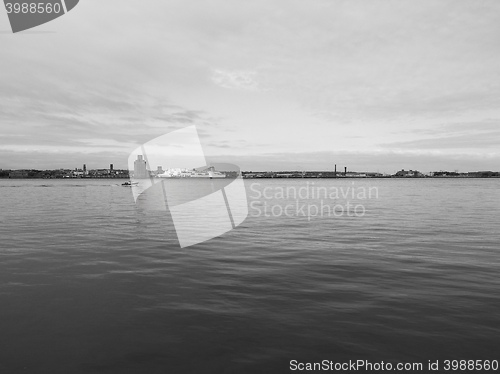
x=345 y=170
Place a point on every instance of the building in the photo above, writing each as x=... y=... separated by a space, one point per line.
x=140 y=169
x=409 y=174
x=19 y=174
x=157 y=172
x=483 y=174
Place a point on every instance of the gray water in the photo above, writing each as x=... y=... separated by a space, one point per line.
x=91 y=283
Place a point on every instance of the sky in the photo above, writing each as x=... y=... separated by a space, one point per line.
x=374 y=85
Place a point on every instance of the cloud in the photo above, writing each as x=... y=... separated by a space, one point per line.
x=474 y=141
x=479 y=135
x=388 y=161
x=471 y=127
x=70 y=122
x=242 y=80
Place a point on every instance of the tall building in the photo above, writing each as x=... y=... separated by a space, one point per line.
x=140 y=170
x=84 y=169
x=111 y=168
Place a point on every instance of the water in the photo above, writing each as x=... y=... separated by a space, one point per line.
x=90 y=283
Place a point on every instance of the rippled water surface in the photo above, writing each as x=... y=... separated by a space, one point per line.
x=90 y=283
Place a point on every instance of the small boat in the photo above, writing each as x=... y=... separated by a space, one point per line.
x=130 y=184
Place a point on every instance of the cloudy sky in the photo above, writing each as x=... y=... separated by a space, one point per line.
x=270 y=84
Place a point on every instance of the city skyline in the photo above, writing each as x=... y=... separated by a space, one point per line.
x=145 y=167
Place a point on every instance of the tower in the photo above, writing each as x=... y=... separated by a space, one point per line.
x=140 y=170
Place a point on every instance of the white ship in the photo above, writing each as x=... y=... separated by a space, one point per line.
x=184 y=173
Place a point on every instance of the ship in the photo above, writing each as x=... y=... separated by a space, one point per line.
x=209 y=173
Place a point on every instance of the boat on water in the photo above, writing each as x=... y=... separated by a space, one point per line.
x=129 y=184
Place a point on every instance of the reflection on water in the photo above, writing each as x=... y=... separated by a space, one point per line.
x=90 y=283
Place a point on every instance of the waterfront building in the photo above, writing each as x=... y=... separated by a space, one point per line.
x=140 y=169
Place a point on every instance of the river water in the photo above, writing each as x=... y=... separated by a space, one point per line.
x=404 y=270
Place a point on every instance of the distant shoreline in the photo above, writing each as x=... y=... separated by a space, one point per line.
x=276 y=177
x=295 y=174
x=380 y=177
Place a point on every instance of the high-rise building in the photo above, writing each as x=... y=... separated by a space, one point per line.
x=140 y=170
x=84 y=169
x=111 y=168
